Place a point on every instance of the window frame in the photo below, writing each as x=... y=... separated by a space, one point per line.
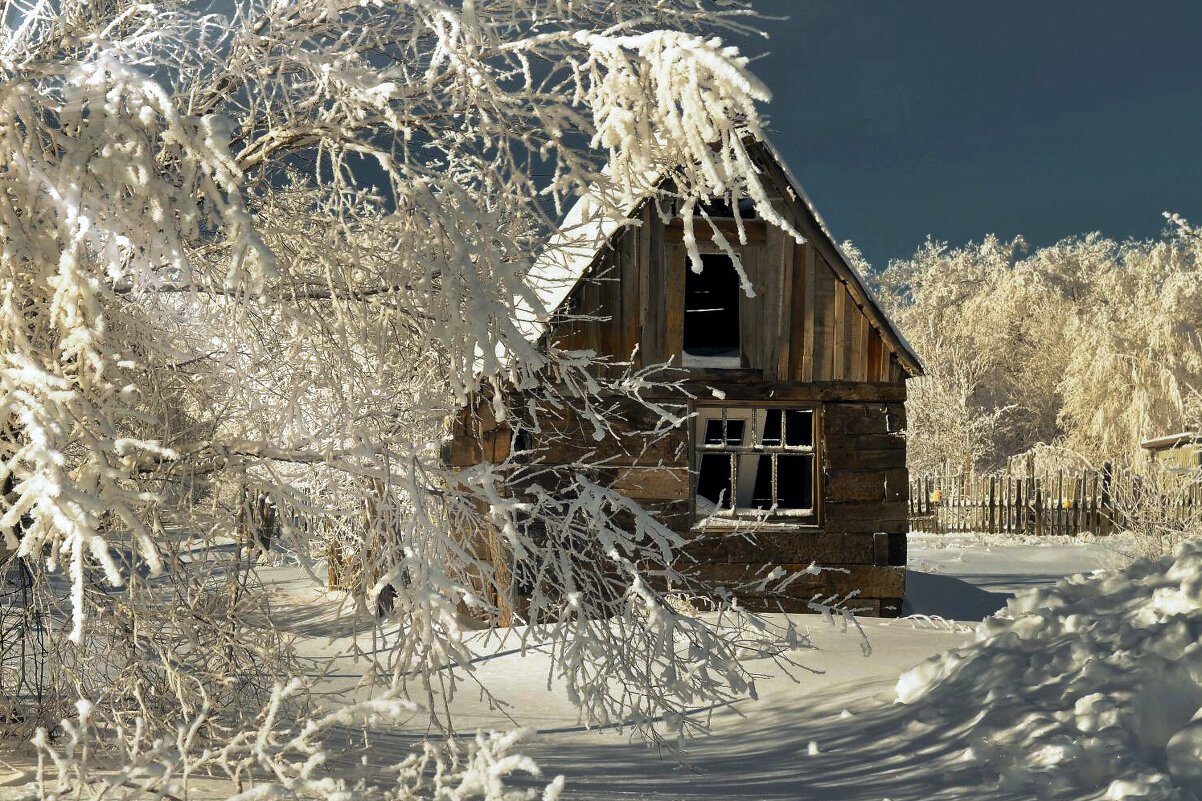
x=701 y=412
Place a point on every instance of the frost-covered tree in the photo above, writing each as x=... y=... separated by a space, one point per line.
x=264 y=249
x=1089 y=344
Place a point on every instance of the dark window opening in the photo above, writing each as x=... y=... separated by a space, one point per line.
x=759 y=460
x=799 y=428
x=794 y=482
x=711 y=308
x=761 y=494
x=716 y=435
x=714 y=481
x=522 y=447
x=771 y=435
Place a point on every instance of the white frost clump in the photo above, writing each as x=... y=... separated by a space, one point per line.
x=1093 y=684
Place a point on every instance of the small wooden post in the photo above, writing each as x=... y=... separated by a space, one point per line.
x=1018 y=505
x=992 y=506
x=1039 y=507
x=1106 y=523
x=1077 y=492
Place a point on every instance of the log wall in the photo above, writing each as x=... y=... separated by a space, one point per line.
x=862 y=494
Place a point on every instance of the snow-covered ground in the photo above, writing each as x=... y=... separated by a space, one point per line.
x=836 y=733
x=970 y=576
x=1021 y=714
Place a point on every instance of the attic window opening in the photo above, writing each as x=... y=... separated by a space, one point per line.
x=711 y=313
x=759 y=461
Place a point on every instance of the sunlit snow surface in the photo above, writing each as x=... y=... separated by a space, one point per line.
x=1088 y=693
x=1091 y=685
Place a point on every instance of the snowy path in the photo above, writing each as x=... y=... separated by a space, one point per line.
x=760 y=749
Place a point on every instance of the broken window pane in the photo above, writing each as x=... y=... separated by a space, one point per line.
x=799 y=427
x=771 y=435
x=711 y=309
x=794 y=481
x=734 y=432
x=714 y=483
x=761 y=495
x=769 y=451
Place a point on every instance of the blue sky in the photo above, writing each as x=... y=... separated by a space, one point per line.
x=957 y=118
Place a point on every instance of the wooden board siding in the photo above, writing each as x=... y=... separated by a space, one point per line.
x=805 y=323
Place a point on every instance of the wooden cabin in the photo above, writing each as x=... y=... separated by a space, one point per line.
x=792 y=451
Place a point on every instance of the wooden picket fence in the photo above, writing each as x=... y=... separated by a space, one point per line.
x=1050 y=504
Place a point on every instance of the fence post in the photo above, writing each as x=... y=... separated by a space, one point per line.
x=1095 y=527
x=1039 y=507
x=992 y=507
x=1106 y=525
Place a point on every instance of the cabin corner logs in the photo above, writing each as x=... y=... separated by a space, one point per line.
x=810 y=342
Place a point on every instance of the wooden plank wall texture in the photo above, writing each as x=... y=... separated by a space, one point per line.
x=805 y=323
x=863 y=489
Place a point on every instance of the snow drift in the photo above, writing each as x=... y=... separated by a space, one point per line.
x=1094 y=683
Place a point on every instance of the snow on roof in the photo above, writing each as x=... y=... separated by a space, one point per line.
x=1172 y=441
x=588 y=226
x=602 y=212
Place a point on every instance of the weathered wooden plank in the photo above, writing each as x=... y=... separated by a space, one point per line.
x=657 y=340
x=857 y=417
x=861 y=486
x=756 y=230
x=848 y=511
x=660 y=483
x=609 y=308
x=674 y=298
x=839 y=334
x=824 y=322
x=796 y=310
x=751 y=315
x=647 y=356
x=858 y=369
x=849 y=443
x=781 y=369
x=867 y=523
x=871 y=580
x=747 y=385
x=808 y=268
x=875 y=357
x=628 y=271
x=777 y=547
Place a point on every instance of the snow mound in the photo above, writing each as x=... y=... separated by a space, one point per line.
x=1092 y=684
